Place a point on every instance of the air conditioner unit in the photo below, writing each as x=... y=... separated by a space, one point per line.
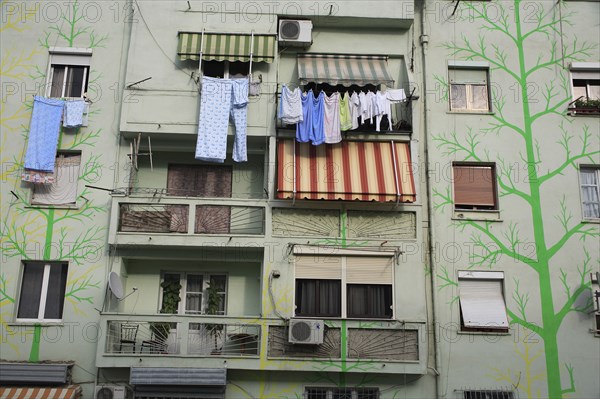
x=303 y=331
x=293 y=32
x=110 y=392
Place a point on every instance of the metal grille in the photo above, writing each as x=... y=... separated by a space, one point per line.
x=341 y=393
x=488 y=395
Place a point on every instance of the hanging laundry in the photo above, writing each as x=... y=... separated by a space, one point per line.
x=73 y=113
x=43 y=134
x=332 y=128
x=290 y=106
x=366 y=106
x=318 y=120
x=304 y=127
x=396 y=95
x=382 y=107
x=345 y=118
x=220 y=99
x=354 y=105
x=38 y=177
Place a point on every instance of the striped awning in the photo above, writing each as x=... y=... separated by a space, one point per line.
x=350 y=170
x=341 y=69
x=226 y=47
x=73 y=392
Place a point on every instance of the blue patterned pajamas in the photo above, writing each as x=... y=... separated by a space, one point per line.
x=220 y=99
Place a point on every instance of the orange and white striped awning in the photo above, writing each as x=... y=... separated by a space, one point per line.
x=72 y=392
x=350 y=170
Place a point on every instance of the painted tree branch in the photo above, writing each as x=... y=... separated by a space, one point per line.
x=514 y=319
x=3 y=295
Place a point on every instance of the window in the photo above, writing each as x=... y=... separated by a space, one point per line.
x=63 y=191
x=469 y=89
x=481 y=298
x=474 y=186
x=344 y=286
x=341 y=393
x=488 y=395
x=43 y=287
x=194 y=295
x=586 y=80
x=68 y=72
x=590 y=191
x=199 y=180
x=225 y=69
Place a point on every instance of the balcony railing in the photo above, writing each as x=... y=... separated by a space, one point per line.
x=190 y=218
x=227 y=338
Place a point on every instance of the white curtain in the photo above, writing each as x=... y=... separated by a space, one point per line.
x=590 y=194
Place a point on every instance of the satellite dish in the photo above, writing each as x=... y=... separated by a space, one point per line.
x=115 y=285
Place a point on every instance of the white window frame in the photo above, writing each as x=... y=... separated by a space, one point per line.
x=584 y=71
x=43 y=294
x=483 y=326
x=330 y=391
x=323 y=254
x=181 y=310
x=475 y=66
x=596 y=169
x=69 y=57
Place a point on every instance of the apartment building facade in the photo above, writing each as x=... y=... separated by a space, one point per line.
x=298 y=270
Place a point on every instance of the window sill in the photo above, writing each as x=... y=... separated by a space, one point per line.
x=487 y=216
x=591 y=220
x=36 y=323
x=500 y=333
x=67 y=207
x=470 y=112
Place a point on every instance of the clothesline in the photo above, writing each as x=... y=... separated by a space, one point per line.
x=321 y=119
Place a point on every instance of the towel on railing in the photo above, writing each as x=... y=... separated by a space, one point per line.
x=43 y=133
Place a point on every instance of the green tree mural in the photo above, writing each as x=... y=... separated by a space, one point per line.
x=48 y=230
x=493 y=241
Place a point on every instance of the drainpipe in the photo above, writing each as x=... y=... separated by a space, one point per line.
x=424 y=40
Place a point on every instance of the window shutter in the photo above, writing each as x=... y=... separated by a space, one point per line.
x=64 y=189
x=468 y=76
x=482 y=303
x=369 y=270
x=179 y=180
x=319 y=267
x=474 y=185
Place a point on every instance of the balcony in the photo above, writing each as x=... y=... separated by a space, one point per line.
x=250 y=342
x=181 y=221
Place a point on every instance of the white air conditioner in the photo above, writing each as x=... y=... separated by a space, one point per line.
x=110 y=392
x=293 y=32
x=303 y=331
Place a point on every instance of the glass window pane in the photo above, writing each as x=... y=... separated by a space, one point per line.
x=579 y=91
x=357 y=300
x=479 y=99
x=458 y=96
x=31 y=291
x=193 y=297
x=172 y=286
x=329 y=296
x=588 y=176
x=306 y=297
x=369 y=300
x=594 y=88
x=58 y=77
x=55 y=299
x=75 y=81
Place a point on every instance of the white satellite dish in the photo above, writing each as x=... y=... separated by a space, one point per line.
x=115 y=285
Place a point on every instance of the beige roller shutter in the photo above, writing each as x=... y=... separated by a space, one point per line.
x=482 y=303
x=319 y=267
x=369 y=270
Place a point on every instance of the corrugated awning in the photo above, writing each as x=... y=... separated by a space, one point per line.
x=347 y=70
x=226 y=47
x=177 y=376
x=350 y=170
x=72 y=392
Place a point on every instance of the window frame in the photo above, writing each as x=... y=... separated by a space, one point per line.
x=75 y=182
x=596 y=170
x=494 y=185
x=226 y=64
x=476 y=67
x=586 y=71
x=330 y=391
x=69 y=57
x=344 y=284
x=206 y=278
x=44 y=291
x=483 y=276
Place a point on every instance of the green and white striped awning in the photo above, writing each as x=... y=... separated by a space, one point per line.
x=343 y=69
x=226 y=47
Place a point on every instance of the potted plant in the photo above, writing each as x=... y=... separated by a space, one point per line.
x=170 y=304
x=586 y=105
x=212 y=308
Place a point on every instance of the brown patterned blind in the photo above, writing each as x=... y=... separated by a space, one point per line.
x=474 y=187
x=199 y=180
